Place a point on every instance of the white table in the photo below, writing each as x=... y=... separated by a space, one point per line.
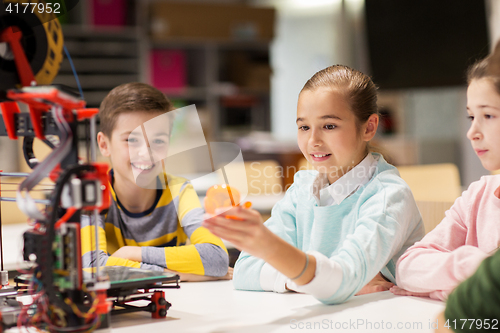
x=217 y=307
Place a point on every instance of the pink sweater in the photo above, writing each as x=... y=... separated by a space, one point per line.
x=452 y=252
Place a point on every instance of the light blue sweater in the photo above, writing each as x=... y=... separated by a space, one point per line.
x=365 y=234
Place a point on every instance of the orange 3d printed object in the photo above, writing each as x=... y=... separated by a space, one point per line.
x=220 y=196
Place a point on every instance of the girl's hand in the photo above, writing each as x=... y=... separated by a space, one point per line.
x=377 y=284
x=244 y=228
x=403 y=292
x=440 y=295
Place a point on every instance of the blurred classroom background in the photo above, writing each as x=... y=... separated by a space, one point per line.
x=243 y=63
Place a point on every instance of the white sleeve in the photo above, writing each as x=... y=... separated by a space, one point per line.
x=272 y=280
x=326 y=281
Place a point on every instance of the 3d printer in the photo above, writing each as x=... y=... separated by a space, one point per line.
x=63 y=296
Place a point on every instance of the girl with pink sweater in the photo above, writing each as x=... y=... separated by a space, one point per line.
x=470 y=231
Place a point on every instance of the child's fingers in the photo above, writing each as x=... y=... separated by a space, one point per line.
x=248 y=228
x=398 y=291
x=207 y=216
x=215 y=219
x=219 y=222
x=227 y=210
x=230 y=223
x=403 y=292
x=233 y=210
x=236 y=237
x=240 y=213
x=233 y=217
x=236 y=213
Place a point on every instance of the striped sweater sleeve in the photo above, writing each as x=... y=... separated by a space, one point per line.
x=89 y=257
x=206 y=253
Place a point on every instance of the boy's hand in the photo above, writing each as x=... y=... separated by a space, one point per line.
x=129 y=252
x=377 y=284
x=186 y=277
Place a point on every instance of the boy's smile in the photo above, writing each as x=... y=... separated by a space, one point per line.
x=142 y=166
x=136 y=148
x=483 y=107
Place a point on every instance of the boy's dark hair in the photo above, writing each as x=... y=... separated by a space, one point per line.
x=487 y=68
x=130 y=97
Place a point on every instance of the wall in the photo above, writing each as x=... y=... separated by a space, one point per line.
x=494 y=19
x=8 y=155
x=425 y=112
x=309 y=39
x=299 y=52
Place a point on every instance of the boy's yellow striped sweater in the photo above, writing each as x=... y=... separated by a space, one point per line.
x=162 y=231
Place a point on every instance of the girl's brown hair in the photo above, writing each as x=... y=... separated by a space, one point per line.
x=358 y=89
x=487 y=68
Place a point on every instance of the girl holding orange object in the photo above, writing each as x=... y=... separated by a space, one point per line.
x=340 y=228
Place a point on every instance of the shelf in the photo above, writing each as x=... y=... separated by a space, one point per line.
x=214 y=71
x=103 y=59
x=96 y=81
x=89 y=47
x=221 y=44
x=102 y=65
x=195 y=93
x=263 y=92
x=186 y=93
x=101 y=32
x=205 y=71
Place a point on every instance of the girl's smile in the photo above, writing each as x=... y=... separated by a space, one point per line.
x=320 y=157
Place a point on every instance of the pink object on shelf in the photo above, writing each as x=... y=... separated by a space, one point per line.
x=109 y=12
x=168 y=69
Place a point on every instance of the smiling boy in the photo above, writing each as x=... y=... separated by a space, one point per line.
x=148 y=224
